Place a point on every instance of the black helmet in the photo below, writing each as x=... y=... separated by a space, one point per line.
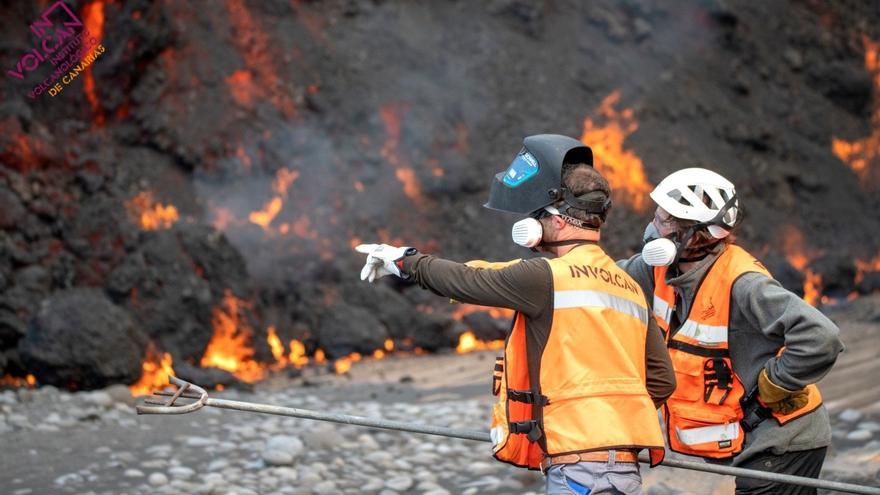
x=534 y=178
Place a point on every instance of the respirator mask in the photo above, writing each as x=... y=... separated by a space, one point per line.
x=666 y=251
x=529 y=232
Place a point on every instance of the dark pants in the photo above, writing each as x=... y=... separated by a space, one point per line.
x=803 y=463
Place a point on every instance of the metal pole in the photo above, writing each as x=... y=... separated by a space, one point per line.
x=484 y=437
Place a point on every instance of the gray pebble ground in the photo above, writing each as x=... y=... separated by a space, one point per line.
x=93 y=443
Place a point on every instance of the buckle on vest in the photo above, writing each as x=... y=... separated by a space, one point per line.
x=753 y=411
x=530 y=428
x=528 y=397
x=716 y=374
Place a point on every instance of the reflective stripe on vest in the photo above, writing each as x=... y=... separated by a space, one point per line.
x=706 y=434
x=708 y=335
x=563 y=299
x=662 y=310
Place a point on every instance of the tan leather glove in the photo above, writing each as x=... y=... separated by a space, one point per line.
x=777 y=399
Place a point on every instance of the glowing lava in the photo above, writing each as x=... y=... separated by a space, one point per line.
x=468 y=342
x=156 y=370
x=863 y=155
x=622 y=167
x=799 y=256
x=93 y=18
x=391 y=116
x=150 y=214
x=230 y=346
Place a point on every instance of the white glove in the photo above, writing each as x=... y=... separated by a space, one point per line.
x=382 y=260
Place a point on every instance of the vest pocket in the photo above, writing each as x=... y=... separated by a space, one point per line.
x=704 y=433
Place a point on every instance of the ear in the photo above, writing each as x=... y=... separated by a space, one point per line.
x=558 y=222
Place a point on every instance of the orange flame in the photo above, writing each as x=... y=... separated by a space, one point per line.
x=156 y=371
x=256 y=49
x=799 y=256
x=230 y=346
x=858 y=155
x=298 y=354
x=391 y=116
x=276 y=346
x=150 y=214
x=93 y=18
x=283 y=179
x=622 y=167
x=863 y=267
x=467 y=342
x=10 y=381
x=265 y=216
x=242 y=88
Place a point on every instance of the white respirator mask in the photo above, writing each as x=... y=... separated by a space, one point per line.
x=527 y=232
x=658 y=251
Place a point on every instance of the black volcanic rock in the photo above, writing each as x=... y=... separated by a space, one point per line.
x=485 y=327
x=79 y=339
x=345 y=329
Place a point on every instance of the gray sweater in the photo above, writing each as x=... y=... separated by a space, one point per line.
x=763 y=317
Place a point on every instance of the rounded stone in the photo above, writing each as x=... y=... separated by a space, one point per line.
x=399 y=483
x=859 y=436
x=157 y=479
x=277 y=458
x=850 y=415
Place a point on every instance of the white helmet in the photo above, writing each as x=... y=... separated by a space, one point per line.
x=698 y=194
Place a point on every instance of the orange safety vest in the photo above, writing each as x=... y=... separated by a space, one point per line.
x=703 y=415
x=584 y=388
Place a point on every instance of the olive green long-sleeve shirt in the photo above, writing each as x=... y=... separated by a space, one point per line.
x=527 y=287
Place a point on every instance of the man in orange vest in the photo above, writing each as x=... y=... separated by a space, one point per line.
x=747 y=352
x=584 y=366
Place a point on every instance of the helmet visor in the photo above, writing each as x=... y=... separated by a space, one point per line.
x=523 y=168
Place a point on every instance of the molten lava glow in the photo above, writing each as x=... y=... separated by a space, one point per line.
x=342 y=365
x=863 y=155
x=863 y=267
x=622 y=167
x=156 y=370
x=297 y=355
x=265 y=216
x=302 y=228
x=466 y=309
x=230 y=346
x=283 y=179
x=258 y=55
x=320 y=357
x=467 y=342
x=391 y=116
x=18 y=382
x=799 y=256
x=150 y=214
x=93 y=18
x=276 y=346
x=242 y=88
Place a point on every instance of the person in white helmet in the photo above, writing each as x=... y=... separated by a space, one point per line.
x=747 y=352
